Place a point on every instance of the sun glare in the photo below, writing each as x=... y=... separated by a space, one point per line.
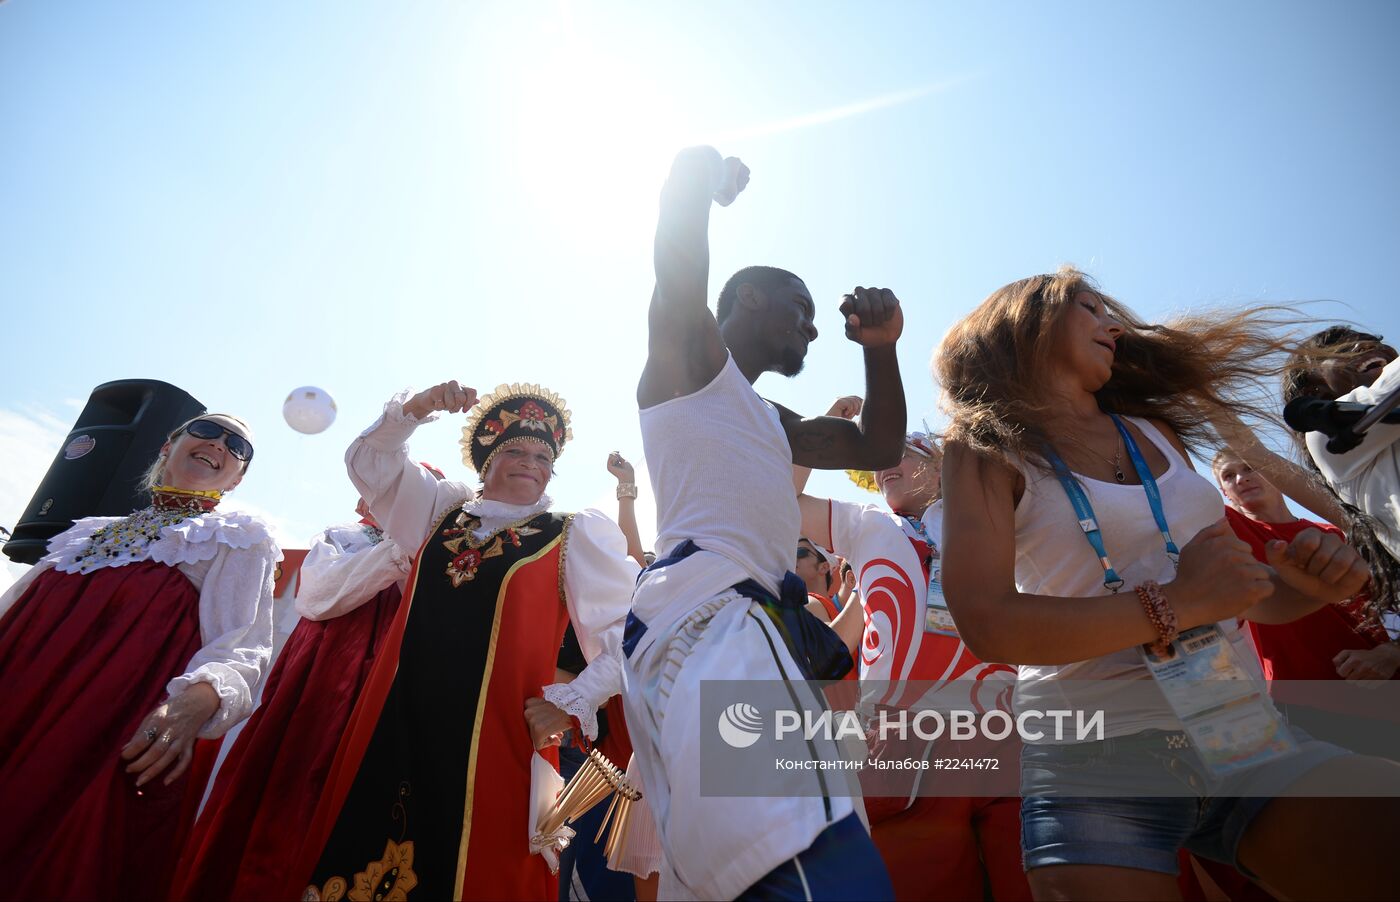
x=593 y=136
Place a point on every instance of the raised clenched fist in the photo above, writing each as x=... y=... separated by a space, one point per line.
x=619 y=467
x=873 y=317
x=447 y=397
x=733 y=181
x=847 y=408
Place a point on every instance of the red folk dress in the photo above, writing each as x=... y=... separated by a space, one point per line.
x=245 y=844
x=121 y=613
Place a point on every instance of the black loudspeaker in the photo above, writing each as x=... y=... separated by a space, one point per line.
x=98 y=470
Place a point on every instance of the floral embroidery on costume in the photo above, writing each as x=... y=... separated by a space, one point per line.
x=128 y=534
x=466 y=561
x=333 y=891
x=529 y=416
x=390 y=879
x=510 y=414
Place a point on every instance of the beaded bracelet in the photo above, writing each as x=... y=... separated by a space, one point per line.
x=626 y=490
x=1159 y=611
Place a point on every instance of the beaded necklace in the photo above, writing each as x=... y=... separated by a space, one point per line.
x=167 y=497
x=128 y=535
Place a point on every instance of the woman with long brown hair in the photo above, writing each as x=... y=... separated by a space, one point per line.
x=1067 y=490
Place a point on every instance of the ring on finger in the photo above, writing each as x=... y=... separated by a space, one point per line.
x=151 y=734
x=168 y=738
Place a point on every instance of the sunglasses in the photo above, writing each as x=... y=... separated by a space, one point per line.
x=804 y=552
x=236 y=444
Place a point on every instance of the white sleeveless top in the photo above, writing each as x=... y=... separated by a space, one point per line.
x=721 y=472
x=1054 y=557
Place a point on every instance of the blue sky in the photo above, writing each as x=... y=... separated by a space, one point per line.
x=245 y=198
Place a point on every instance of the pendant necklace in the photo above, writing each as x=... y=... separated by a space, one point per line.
x=1118 y=475
x=1117 y=462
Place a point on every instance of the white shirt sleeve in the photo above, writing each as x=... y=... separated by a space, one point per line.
x=1380 y=439
x=847 y=529
x=403 y=496
x=598 y=581
x=235 y=621
x=336 y=579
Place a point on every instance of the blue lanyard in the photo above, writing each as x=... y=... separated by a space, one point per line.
x=1085 y=511
x=917 y=524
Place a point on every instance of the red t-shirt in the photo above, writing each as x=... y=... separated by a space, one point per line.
x=1303 y=649
x=825 y=600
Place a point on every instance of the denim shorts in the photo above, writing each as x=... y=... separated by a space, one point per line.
x=1145 y=831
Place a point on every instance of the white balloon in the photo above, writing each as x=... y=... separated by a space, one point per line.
x=309 y=410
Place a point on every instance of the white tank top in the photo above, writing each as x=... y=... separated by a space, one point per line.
x=721 y=472
x=1054 y=557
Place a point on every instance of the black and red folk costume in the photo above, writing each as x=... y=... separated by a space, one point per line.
x=435 y=786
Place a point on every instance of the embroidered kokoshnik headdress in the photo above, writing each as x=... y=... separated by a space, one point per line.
x=921 y=443
x=512 y=414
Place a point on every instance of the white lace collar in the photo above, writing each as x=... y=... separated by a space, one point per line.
x=497 y=514
x=97 y=542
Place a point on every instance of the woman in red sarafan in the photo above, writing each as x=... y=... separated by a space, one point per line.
x=244 y=844
x=133 y=639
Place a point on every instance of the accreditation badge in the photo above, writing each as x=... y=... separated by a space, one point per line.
x=937 y=619
x=1232 y=723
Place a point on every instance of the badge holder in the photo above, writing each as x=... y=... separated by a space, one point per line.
x=937 y=618
x=1231 y=720
x=1226 y=712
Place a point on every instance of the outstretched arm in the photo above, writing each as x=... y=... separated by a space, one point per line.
x=1218 y=578
x=685 y=351
x=402 y=495
x=874 y=320
x=1284 y=475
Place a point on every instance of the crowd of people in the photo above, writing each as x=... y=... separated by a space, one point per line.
x=462 y=650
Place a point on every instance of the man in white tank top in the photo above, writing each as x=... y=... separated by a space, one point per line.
x=720 y=461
